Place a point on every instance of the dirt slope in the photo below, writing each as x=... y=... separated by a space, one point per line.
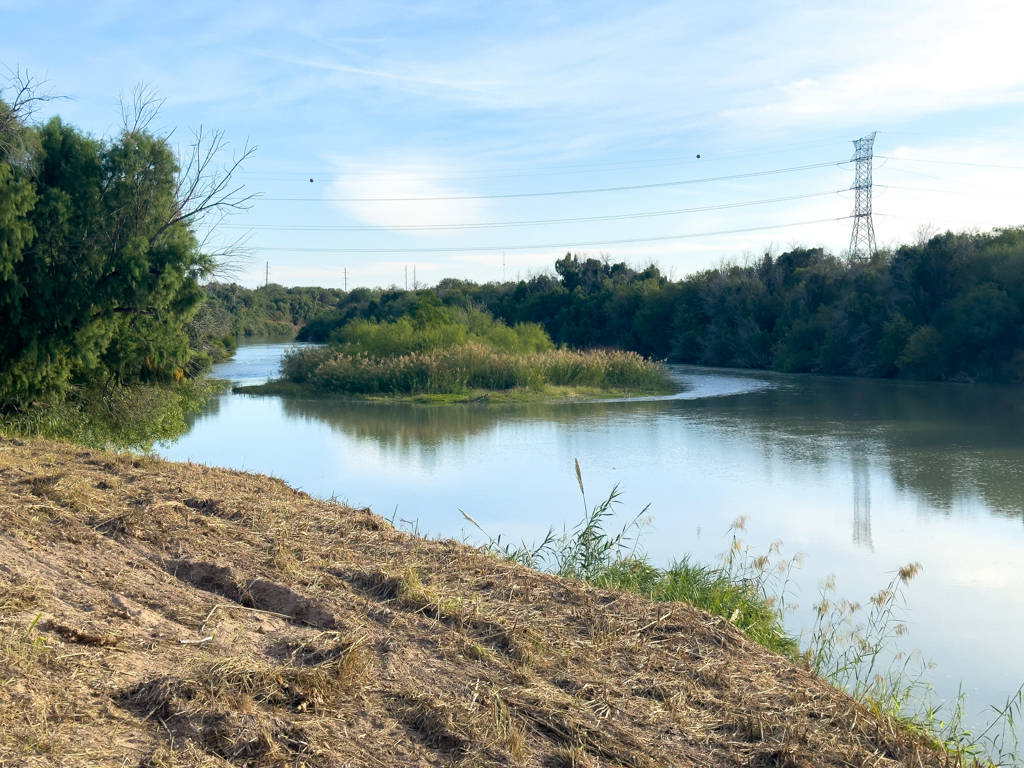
x=198 y=616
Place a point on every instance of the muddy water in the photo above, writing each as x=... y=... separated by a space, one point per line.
x=863 y=476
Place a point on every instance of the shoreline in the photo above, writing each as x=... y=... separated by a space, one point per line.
x=551 y=394
x=259 y=623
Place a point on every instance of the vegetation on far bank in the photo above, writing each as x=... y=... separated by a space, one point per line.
x=947 y=307
x=459 y=354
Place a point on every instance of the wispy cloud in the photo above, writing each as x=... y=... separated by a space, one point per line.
x=403 y=180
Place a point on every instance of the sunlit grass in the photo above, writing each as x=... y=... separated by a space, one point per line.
x=738 y=590
x=469 y=367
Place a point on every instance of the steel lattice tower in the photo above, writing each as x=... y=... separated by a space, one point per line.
x=862 y=239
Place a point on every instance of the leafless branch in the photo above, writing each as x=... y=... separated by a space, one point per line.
x=206 y=191
x=20 y=99
x=140 y=108
x=230 y=258
x=206 y=185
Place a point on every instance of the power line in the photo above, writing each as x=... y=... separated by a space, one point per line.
x=792 y=169
x=953 y=162
x=951 y=192
x=952 y=135
x=775 y=149
x=548 y=245
x=937 y=178
x=940 y=218
x=536 y=222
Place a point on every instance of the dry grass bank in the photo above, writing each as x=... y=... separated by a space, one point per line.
x=197 y=616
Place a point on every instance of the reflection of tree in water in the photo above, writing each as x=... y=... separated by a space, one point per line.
x=210 y=409
x=408 y=427
x=946 y=443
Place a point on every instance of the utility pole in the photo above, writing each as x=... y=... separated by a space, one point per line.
x=266 y=280
x=503 y=266
x=407 y=277
x=415 y=285
x=862 y=239
x=346 y=279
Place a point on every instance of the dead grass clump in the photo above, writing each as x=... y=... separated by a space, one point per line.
x=21 y=594
x=573 y=757
x=226 y=709
x=82 y=636
x=22 y=650
x=509 y=729
x=450 y=727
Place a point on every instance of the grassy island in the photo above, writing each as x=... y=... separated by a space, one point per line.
x=443 y=355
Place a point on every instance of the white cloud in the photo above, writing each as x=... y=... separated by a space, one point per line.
x=388 y=196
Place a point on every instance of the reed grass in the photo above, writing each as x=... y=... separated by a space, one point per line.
x=469 y=367
x=857 y=648
x=854 y=647
x=740 y=590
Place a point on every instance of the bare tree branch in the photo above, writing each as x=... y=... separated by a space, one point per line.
x=206 y=192
x=20 y=99
x=140 y=108
x=205 y=184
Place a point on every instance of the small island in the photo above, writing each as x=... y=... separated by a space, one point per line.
x=438 y=354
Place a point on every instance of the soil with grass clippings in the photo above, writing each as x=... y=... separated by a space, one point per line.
x=161 y=614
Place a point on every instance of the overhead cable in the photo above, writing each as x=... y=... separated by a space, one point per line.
x=552 y=194
x=537 y=222
x=568 y=244
x=953 y=162
x=554 y=170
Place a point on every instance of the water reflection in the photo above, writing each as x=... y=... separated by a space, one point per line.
x=944 y=443
x=861 y=502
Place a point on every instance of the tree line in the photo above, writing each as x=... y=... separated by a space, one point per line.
x=945 y=308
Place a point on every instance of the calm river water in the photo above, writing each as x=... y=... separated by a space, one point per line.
x=863 y=476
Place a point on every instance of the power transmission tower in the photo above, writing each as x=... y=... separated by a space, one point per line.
x=862 y=239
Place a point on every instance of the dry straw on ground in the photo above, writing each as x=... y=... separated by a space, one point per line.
x=162 y=614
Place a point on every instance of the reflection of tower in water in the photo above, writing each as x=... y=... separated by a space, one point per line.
x=862 y=503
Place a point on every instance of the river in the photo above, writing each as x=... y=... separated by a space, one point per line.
x=863 y=476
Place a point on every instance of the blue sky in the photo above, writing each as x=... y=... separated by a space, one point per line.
x=481 y=101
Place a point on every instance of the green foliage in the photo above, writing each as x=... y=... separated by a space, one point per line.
x=949 y=308
x=271 y=310
x=99 y=269
x=429 y=327
x=115 y=416
x=465 y=368
x=438 y=350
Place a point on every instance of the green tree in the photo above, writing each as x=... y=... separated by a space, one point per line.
x=100 y=267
